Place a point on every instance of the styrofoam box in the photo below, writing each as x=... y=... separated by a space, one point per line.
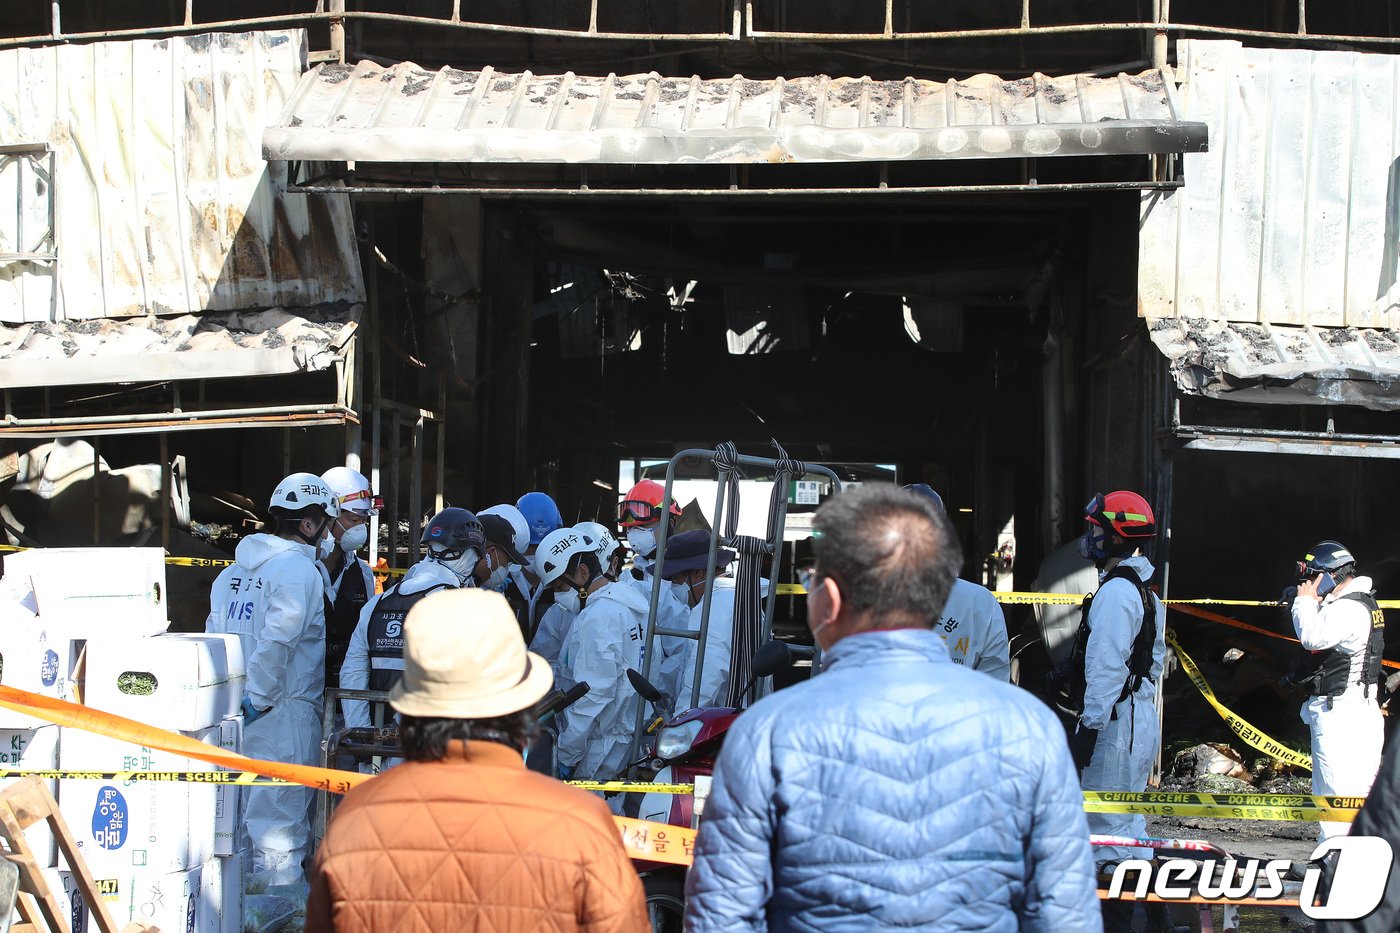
x=156 y=826
x=194 y=687
x=96 y=591
x=34 y=656
x=172 y=902
x=33 y=750
x=221 y=894
x=228 y=798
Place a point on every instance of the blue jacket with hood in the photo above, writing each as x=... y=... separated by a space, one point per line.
x=895 y=790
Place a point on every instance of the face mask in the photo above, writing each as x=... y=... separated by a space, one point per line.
x=681 y=591
x=643 y=541
x=325 y=547
x=354 y=538
x=463 y=566
x=499 y=577
x=570 y=601
x=1090 y=547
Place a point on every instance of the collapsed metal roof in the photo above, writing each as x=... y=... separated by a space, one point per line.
x=369 y=113
x=205 y=346
x=1282 y=364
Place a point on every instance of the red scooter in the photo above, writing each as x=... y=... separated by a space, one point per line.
x=683 y=751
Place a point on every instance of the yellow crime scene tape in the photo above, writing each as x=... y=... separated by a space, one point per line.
x=128 y=777
x=1301 y=808
x=644 y=840
x=1006 y=597
x=1238 y=725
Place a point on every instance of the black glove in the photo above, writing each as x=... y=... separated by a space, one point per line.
x=1081 y=746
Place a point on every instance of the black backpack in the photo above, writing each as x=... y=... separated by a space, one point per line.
x=1067 y=681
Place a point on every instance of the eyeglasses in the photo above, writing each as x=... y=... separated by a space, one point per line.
x=808 y=576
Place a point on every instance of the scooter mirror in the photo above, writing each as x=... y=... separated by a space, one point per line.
x=644 y=687
x=773 y=657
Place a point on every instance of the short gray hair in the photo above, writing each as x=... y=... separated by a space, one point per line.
x=892 y=553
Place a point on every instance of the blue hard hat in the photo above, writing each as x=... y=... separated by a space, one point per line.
x=541 y=514
x=924 y=489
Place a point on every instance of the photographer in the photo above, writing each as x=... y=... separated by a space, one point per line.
x=1337 y=620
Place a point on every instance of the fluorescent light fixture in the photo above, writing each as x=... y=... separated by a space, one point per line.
x=968 y=511
x=602 y=485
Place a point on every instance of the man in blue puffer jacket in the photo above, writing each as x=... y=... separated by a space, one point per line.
x=896 y=789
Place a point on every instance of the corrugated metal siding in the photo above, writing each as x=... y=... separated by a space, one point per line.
x=1293 y=216
x=370 y=113
x=164 y=204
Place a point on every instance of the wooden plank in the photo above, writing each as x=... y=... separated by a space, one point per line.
x=31 y=880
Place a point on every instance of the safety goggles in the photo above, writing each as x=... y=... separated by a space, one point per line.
x=631 y=512
x=369 y=502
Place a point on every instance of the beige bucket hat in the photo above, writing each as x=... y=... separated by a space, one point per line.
x=464 y=658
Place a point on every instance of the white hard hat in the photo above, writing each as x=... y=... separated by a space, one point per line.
x=351 y=490
x=517 y=523
x=557 y=549
x=606 y=540
x=303 y=490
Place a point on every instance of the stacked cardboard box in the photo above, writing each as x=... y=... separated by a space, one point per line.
x=87 y=624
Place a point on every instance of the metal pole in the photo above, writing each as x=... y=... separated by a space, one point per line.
x=97 y=492
x=165 y=492
x=338 y=29
x=709 y=587
x=392 y=500
x=415 y=493
x=441 y=444
x=1159 y=38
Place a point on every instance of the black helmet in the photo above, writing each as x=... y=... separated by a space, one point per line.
x=452 y=532
x=1327 y=557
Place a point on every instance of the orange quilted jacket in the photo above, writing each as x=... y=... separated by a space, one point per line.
x=473 y=843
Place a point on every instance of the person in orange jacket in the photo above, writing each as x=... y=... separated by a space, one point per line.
x=461 y=836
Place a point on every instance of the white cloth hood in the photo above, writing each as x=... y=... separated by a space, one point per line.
x=255 y=550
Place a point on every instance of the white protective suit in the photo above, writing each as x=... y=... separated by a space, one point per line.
x=1347 y=730
x=271 y=599
x=671 y=614
x=974 y=628
x=1127 y=744
x=549 y=641
x=719 y=642
x=354 y=674
x=608 y=637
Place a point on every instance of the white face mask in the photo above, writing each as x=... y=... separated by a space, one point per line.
x=570 y=601
x=500 y=576
x=643 y=541
x=681 y=591
x=463 y=566
x=325 y=547
x=354 y=538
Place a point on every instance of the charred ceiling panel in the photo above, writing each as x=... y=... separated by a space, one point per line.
x=205 y=346
x=161 y=202
x=1282 y=364
x=369 y=113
